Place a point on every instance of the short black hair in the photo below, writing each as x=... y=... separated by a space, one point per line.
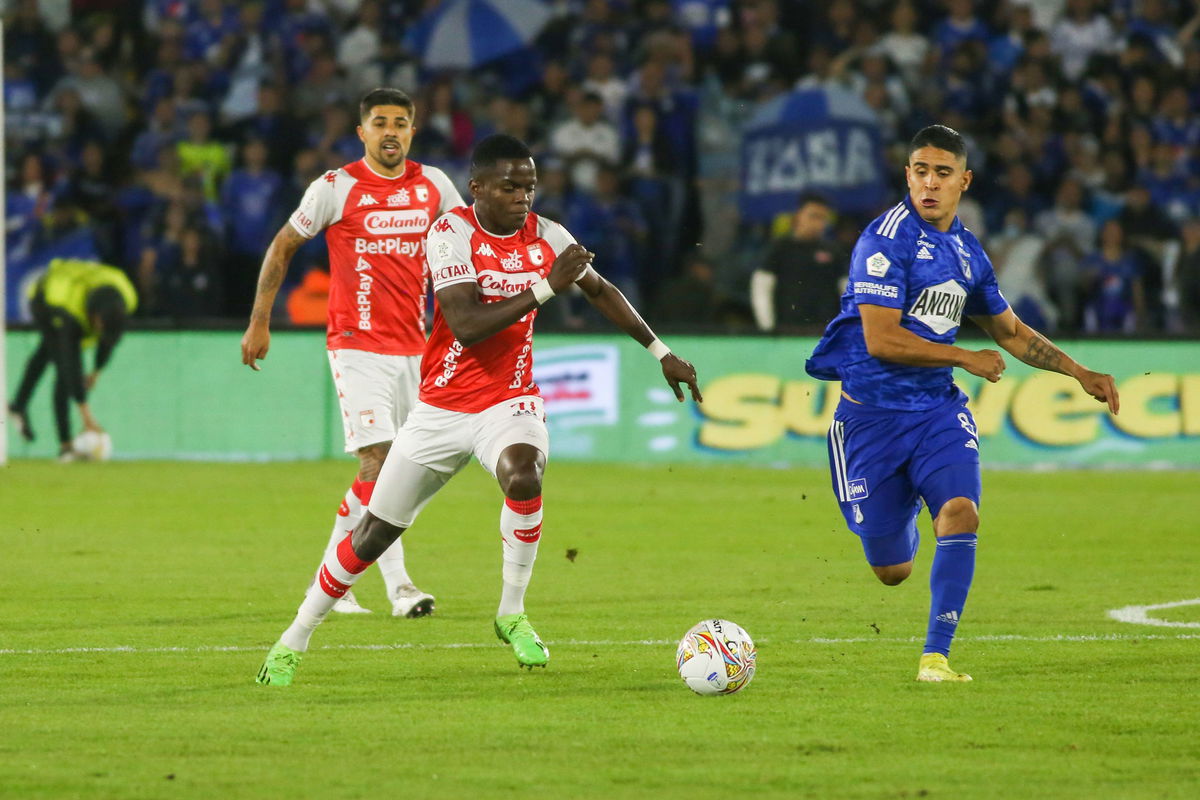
x=941 y=137
x=384 y=96
x=813 y=197
x=497 y=147
x=108 y=303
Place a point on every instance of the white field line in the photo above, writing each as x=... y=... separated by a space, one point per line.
x=1013 y=637
x=1139 y=615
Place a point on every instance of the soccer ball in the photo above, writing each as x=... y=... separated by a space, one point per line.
x=716 y=657
x=93 y=446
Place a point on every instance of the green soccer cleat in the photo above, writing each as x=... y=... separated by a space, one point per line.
x=526 y=644
x=935 y=669
x=279 y=667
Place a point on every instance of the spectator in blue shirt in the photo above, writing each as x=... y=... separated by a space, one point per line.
x=251 y=199
x=1113 y=292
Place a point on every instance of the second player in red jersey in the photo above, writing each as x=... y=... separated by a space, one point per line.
x=375 y=213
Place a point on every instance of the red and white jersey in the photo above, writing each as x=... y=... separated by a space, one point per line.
x=500 y=367
x=375 y=232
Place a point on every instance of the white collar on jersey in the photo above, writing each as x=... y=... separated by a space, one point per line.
x=386 y=177
x=495 y=235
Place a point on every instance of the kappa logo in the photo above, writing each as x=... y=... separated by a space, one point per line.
x=485 y=249
x=331 y=176
x=367 y=200
x=877 y=265
x=400 y=198
x=924 y=255
x=442 y=226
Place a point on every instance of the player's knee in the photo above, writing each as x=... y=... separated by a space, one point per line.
x=524 y=483
x=894 y=574
x=957 y=515
x=519 y=472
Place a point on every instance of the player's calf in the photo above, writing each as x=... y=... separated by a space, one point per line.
x=373 y=536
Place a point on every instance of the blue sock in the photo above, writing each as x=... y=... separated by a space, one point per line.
x=949 y=582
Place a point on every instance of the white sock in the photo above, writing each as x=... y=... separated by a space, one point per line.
x=337 y=574
x=349 y=514
x=391 y=566
x=520 y=531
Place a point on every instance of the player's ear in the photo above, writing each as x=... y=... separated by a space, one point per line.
x=966 y=179
x=474 y=187
x=361 y=134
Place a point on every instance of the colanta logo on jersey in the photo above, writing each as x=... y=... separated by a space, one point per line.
x=940 y=307
x=392 y=222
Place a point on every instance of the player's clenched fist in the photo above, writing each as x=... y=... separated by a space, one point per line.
x=986 y=364
x=570 y=265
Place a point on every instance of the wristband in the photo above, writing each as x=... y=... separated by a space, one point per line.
x=658 y=349
x=542 y=291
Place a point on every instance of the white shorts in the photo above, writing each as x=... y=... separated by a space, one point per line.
x=434 y=444
x=375 y=392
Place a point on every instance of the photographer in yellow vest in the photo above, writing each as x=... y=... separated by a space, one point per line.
x=76 y=304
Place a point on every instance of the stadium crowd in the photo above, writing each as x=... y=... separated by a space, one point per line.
x=173 y=137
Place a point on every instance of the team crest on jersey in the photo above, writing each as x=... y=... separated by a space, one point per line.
x=400 y=198
x=536 y=257
x=367 y=200
x=964 y=257
x=512 y=262
x=485 y=249
x=422 y=193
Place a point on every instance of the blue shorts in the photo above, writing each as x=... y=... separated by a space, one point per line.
x=885 y=462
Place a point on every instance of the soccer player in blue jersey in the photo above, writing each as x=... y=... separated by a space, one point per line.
x=902 y=432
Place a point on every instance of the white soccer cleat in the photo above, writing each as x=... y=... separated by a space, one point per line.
x=348 y=604
x=409 y=601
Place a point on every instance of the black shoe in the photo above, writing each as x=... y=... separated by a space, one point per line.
x=22 y=423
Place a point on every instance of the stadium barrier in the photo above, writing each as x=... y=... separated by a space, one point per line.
x=186 y=395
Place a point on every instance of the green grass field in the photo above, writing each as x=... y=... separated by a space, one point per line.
x=140 y=598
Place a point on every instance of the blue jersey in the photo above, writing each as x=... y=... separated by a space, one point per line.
x=901 y=261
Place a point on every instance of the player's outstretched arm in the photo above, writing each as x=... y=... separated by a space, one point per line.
x=887 y=340
x=256 y=341
x=608 y=300
x=471 y=320
x=1037 y=351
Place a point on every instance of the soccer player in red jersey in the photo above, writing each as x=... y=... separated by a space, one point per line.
x=493 y=265
x=375 y=213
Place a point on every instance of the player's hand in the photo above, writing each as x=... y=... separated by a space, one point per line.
x=986 y=364
x=256 y=341
x=678 y=371
x=1102 y=387
x=569 y=267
